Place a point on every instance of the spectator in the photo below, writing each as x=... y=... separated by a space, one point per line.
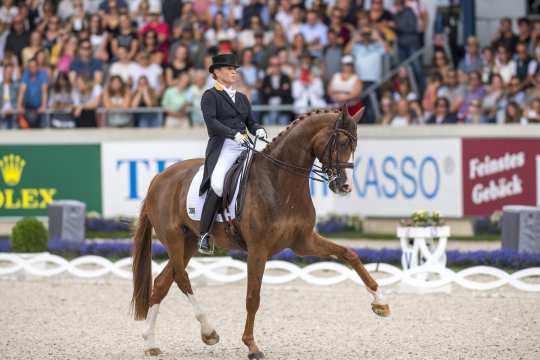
x=124 y=67
x=488 y=64
x=86 y=98
x=453 y=91
x=67 y=55
x=440 y=59
x=284 y=14
x=493 y=102
x=18 y=37
x=524 y=31
x=180 y=63
x=171 y=10
x=117 y=96
x=250 y=74
x=98 y=38
x=533 y=111
x=246 y=38
x=255 y=8
x=526 y=66
x=535 y=36
x=145 y=97
x=31 y=50
x=342 y=31
x=475 y=91
x=219 y=28
x=151 y=46
x=515 y=92
x=442 y=114
x=219 y=6
x=315 y=33
x=152 y=72
x=404 y=91
x=196 y=46
x=406 y=27
x=307 y=88
x=474 y=113
x=472 y=60
x=8 y=11
x=417 y=112
x=332 y=54
x=514 y=114
x=9 y=90
x=126 y=38
x=42 y=59
x=195 y=93
x=379 y=16
x=276 y=91
x=52 y=33
x=297 y=49
x=367 y=50
x=403 y=115
x=534 y=92
x=75 y=14
x=504 y=36
x=387 y=109
x=61 y=99
x=297 y=22
x=86 y=65
x=33 y=95
x=430 y=95
x=176 y=102
x=345 y=86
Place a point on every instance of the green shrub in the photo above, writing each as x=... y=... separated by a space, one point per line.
x=29 y=235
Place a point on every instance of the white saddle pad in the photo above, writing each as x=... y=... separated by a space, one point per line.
x=195 y=202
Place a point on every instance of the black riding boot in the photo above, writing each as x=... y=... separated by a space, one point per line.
x=211 y=204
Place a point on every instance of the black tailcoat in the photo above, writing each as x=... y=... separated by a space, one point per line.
x=223 y=118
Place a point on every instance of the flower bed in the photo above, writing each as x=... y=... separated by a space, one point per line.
x=498 y=258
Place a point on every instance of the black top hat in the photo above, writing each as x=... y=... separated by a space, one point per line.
x=222 y=60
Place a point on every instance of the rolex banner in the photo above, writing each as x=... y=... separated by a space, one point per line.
x=32 y=176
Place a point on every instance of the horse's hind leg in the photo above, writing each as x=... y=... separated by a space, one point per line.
x=208 y=335
x=319 y=246
x=161 y=287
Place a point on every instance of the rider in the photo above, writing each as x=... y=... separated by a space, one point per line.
x=227 y=114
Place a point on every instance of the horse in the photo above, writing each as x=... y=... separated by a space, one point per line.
x=278 y=213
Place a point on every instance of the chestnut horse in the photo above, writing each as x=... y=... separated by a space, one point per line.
x=278 y=213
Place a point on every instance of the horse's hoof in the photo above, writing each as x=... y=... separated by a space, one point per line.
x=256 y=355
x=211 y=339
x=152 y=352
x=381 y=309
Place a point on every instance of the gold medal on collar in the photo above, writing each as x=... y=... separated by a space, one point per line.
x=218 y=87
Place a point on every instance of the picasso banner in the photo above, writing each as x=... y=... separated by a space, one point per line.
x=32 y=176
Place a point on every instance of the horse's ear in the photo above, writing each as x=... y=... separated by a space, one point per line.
x=358 y=116
x=346 y=116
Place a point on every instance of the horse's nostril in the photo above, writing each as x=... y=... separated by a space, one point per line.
x=346 y=188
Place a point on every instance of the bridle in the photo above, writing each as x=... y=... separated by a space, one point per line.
x=329 y=171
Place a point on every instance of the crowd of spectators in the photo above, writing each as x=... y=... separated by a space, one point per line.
x=63 y=60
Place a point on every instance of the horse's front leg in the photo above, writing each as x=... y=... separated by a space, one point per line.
x=256 y=263
x=316 y=245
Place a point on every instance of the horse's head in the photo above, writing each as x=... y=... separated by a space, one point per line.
x=334 y=146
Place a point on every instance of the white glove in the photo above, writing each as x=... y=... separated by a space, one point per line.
x=261 y=133
x=241 y=139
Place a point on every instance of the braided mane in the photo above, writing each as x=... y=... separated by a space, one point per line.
x=296 y=121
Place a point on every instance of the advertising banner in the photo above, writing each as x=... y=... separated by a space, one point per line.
x=498 y=172
x=397 y=177
x=128 y=168
x=32 y=176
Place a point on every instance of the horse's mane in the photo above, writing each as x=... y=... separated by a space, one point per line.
x=298 y=120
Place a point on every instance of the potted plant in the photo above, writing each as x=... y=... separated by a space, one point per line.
x=29 y=240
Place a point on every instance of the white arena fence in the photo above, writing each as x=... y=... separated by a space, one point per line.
x=228 y=270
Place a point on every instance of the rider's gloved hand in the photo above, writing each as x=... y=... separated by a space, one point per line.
x=241 y=139
x=261 y=133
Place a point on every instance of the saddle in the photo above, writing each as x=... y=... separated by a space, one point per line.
x=239 y=172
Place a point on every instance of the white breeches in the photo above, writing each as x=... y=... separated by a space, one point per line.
x=228 y=155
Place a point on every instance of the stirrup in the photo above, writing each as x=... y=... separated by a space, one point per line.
x=204 y=245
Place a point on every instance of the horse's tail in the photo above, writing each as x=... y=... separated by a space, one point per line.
x=142 y=266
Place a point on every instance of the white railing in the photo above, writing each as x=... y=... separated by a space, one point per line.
x=228 y=270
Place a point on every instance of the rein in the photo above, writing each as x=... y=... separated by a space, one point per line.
x=325 y=173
